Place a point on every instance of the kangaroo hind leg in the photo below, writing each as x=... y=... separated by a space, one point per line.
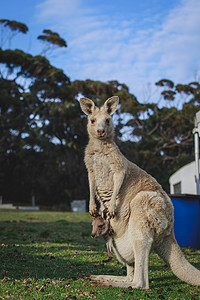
x=142 y=248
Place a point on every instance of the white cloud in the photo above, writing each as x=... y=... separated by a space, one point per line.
x=106 y=47
x=57 y=9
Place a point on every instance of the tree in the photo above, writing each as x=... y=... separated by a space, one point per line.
x=164 y=137
x=52 y=40
x=13 y=27
x=39 y=149
x=33 y=109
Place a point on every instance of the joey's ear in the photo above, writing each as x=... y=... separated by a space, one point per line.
x=111 y=104
x=87 y=106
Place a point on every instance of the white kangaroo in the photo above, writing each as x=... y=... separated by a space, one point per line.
x=142 y=215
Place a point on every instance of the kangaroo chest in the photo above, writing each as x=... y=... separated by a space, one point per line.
x=103 y=174
x=123 y=249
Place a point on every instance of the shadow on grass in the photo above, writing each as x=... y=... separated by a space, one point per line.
x=22 y=262
x=61 y=249
x=51 y=250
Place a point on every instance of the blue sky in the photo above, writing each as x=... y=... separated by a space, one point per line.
x=134 y=42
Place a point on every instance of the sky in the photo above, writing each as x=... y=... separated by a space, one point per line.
x=135 y=42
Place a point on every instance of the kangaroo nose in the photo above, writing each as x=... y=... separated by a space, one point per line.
x=100 y=131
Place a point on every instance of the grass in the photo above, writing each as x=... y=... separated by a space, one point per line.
x=45 y=255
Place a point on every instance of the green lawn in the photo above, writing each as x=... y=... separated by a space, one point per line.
x=45 y=255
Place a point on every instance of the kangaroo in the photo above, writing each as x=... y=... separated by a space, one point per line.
x=141 y=213
x=100 y=226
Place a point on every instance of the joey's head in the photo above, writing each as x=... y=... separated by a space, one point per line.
x=100 y=226
x=100 y=125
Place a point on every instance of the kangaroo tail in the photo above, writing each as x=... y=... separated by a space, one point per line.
x=170 y=252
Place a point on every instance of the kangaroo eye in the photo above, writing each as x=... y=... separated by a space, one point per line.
x=107 y=121
x=93 y=121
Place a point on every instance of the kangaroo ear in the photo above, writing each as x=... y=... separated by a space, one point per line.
x=87 y=106
x=111 y=104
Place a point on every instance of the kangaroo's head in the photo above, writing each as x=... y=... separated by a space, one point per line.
x=100 y=226
x=100 y=125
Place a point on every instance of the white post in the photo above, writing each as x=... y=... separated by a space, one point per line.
x=196 y=133
x=196 y=151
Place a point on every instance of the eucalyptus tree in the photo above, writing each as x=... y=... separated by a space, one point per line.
x=52 y=40
x=37 y=136
x=9 y=29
